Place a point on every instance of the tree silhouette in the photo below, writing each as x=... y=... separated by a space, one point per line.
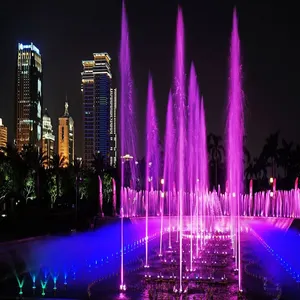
x=270 y=151
x=216 y=152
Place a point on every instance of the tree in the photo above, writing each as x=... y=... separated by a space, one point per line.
x=6 y=182
x=250 y=171
x=270 y=151
x=57 y=163
x=284 y=156
x=294 y=168
x=34 y=161
x=98 y=164
x=107 y=187
x=18 y=169
x=77 y=169
x=29 y=188
x=247 y=156
x=216 y=151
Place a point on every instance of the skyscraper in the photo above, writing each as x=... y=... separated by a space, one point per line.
x=3 y=135
x=66 y=136
x=48 y=139
x=113 y=127
x=98 y=111
x=28 y=97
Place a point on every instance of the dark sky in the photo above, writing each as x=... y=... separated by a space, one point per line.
x=68 y=32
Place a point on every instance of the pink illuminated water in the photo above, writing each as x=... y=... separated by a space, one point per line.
x=235 y=133
x=152 y=159
x=100 y=196
x=193 y=147
x=180 y=103
x=169 y=162
x=203 y=166
x=127 y=123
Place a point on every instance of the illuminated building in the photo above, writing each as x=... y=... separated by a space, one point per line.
x=3 y=135
x=99 y=104
x=28 y=97
x=66 y=136
x=113 y=127
x=48 y=139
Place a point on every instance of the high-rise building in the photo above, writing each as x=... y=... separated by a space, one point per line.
x=113 y=127
x=3 y=135
x=28 y=97
x=48 y=139
x=66 y=136
x=98 y=113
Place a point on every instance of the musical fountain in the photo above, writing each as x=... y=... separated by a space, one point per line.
x=178 y=240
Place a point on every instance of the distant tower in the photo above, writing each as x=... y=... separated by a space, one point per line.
x=28 y=97
x=97 y=100
x=3 y=135
x=66 y=136
x=48 y=139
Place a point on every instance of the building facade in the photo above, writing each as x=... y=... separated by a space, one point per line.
x=3 y=135
x=99 y=108
x=113 y=128
x=66 y=136
x=48 y=139
x=28 y=97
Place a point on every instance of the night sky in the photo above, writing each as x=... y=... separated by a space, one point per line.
x=67 y=32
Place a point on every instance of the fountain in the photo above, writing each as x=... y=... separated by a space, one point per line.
x=126 y=124
x=235 y=134
x=152 y=161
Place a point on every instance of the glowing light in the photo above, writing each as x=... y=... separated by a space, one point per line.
x=271 y=180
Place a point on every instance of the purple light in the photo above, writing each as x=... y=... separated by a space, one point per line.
x=152 y=159
x=180 y=103
x=235 y=134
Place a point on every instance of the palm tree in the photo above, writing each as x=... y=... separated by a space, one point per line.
x=260 y=167
x=18 y=167
x=57 y=162
x=99 y=164
x=295 y=162
x=250 y=171
x=216 y=151
x=270 y=151
x=77 y=169
x=284 y=155
x=34 y=160
x=247 y=156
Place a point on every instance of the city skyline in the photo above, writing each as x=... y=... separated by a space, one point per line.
x=151 y=45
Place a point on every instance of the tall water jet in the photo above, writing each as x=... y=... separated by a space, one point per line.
x=235 y=133
x=191 y=155
x=152 y=158
x=179 y=96
x=169 y=162
x=199 y=200
x=127 y=126
x=203 y=166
